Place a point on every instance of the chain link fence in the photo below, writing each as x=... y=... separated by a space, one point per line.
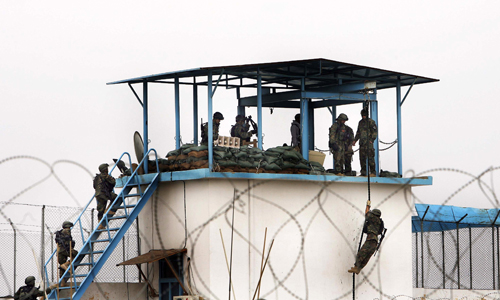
x=465 y=258
x=24 y=253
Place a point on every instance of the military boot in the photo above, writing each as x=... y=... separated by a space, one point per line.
x=102 y=226
x=354 y=270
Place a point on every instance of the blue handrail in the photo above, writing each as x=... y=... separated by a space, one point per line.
x=105 y=217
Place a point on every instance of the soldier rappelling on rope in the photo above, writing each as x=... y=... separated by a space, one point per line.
x=373 y=227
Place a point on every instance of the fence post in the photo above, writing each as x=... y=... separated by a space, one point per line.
x=15 y=254
x=444 y=268
x=470 y=256
x=458 y=250
x=416 y=256
x=422 y=243
x=138 y=247
x=42 y=245
x=123 y=252
x=493 y=247
x=498 y=258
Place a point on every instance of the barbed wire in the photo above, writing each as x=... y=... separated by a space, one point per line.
x=317 y=202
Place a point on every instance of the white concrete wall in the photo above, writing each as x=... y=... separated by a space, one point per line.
x=316 y=230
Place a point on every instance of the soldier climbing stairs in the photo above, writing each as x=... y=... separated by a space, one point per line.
x=100 y=244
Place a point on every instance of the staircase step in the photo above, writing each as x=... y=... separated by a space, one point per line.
x=101 y=241
x=111 y=229
x=127 y=206
x=93 y=252
x=83 y=264
x=133 y=195
x=117 y=217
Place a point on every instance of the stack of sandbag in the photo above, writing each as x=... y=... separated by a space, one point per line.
x=187 y=157
x=284 y=159
x=281 y=159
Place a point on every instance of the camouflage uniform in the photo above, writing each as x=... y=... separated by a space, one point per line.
x=27 y=289
x=348 y=152
x=204 y=137
x=366 y=134
x=371 y=228
x=241 y=131
x=295 y=131
x=340 y=135
x=103 y=185
x=63 y=240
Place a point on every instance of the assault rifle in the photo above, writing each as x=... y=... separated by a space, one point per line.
x=380 y=242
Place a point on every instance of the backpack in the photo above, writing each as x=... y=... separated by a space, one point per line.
x=380 y=229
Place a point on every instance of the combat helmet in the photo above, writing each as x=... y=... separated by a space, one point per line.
x=218 y=116
x=364 y=112
x=376 y=212
x=67 y=224
x=342 y=117
x=30 y=280
x=103 y=167
x=240 y=118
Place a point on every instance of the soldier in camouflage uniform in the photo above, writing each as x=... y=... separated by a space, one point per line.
x=65 y=245
x=340 y=137
x=295 y=131
x=240 y=129
x=366 y=134
x=216 y=123
x=29 y=291
x=103 y=185
x=372 y=229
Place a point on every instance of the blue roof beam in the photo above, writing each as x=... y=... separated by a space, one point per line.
x=332 y=97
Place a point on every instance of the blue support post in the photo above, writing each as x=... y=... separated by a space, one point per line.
x=374 y=116
x=177 y=116
x=145 y=120
x=304 y=121
x=311 y=125
x=210 y=123
x=259 y=109
x=195 y=112
x=398 y=112
x=334 y=118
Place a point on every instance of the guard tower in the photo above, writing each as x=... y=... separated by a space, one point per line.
x=315 y=220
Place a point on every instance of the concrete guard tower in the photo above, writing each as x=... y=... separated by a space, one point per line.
x=315 y=220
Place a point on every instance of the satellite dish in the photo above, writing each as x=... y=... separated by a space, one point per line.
x=138 y=146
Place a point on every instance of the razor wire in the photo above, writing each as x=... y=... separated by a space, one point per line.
x=280 y=280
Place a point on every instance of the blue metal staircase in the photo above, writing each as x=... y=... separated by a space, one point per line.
x=100 y=244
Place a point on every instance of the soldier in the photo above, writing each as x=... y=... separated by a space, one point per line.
x=340 y=136
x=29 y=291
x=204 y=128
x=103 y=185
x=65 y=246
x=295 y=131
x=366 y=134
x=240 y=129
x=373 y=227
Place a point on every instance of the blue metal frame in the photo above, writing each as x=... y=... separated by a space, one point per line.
x=177 y=115
x=304 y=121
x=131 y=212
x=210 y=123
x=145 y=119
x=259 y=109
x=374 y=116
x=398 y=116
x=195 y=112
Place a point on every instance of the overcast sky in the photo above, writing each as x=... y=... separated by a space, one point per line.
x=57 y=56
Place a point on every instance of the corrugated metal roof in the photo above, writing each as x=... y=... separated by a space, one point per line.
x=445 y=217
x=151 y=256
x=318 y=72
